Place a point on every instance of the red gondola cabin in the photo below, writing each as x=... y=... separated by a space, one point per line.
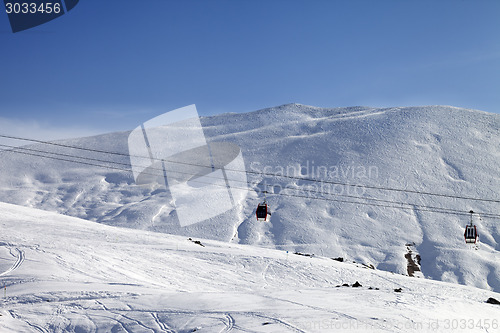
x=470 y=234
x=262 y=212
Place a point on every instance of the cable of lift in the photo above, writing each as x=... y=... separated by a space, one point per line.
x=160 y=173
x=260 y=173
x=397 y=205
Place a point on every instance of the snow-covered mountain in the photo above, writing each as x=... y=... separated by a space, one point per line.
x=434 y=149
x=63 y=274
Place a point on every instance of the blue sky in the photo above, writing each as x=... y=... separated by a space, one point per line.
x=111 y=65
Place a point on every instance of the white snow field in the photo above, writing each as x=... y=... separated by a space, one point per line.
x=64 y=274
x=436 y=149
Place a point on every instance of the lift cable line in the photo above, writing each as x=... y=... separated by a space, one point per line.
x=160 y=173
x=395 y=204
x=254 y=172
x=260 y=173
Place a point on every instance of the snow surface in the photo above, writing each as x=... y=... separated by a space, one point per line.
x=432 y=149
x=64 y=274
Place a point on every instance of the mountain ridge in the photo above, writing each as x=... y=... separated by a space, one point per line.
x=437 y=149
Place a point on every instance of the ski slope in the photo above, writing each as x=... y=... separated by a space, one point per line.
x=64 y=274
x=435 y=149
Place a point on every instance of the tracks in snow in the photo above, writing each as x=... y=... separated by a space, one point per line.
x=17 y=264
x=130 y=319
x=229 y=322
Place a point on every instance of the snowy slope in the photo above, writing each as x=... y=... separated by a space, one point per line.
x=63 y=274
x=431 y=149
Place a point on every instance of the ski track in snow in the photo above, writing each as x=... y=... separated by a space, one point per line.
x=17 y=264
x=228 y=322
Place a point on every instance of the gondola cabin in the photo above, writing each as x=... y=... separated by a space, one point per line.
x=470 y=234
x=262 y=212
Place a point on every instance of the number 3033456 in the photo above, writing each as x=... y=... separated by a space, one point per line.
x=33 y=8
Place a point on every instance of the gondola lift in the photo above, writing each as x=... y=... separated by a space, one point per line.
x=470 y=233
x=263 y=210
